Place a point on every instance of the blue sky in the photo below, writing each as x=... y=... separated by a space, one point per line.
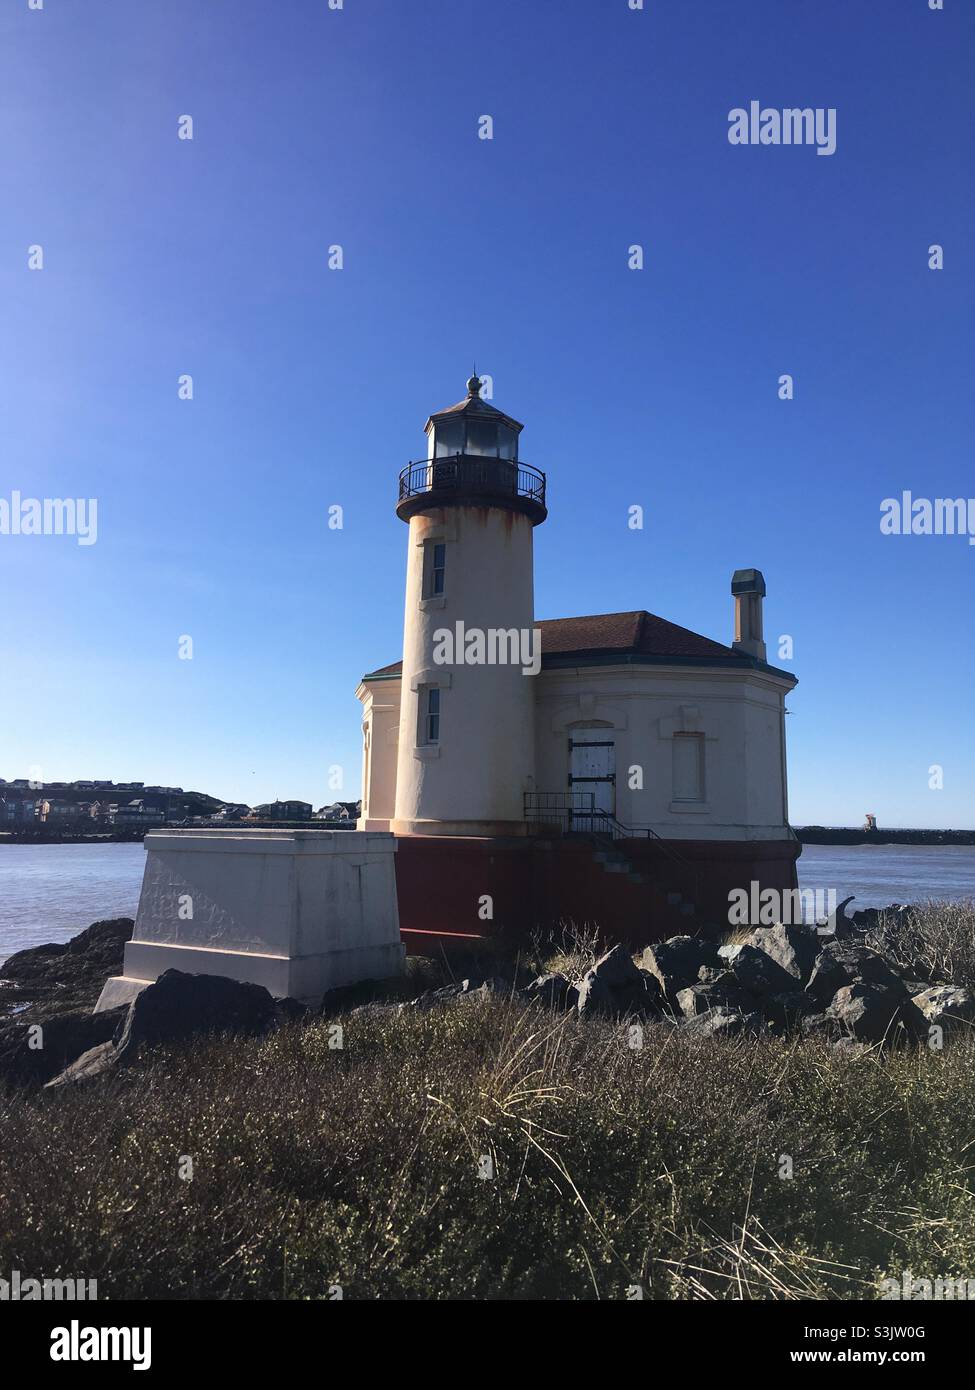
x=359 y=127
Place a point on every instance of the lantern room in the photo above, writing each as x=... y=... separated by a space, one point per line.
x=472 y=427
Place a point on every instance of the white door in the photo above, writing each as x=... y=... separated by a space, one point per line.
x=592 y=768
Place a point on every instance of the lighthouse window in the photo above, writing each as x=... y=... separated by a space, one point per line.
x=430 y=714
x=439 y=552
x=434 y=568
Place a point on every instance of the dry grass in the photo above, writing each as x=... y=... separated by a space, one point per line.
x=570 y=951
x=611 y=1166
x=934 y=940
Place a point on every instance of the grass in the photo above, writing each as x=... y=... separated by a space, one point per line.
x=933 y=940
x=358 y=1166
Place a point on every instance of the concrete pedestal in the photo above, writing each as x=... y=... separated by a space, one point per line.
x=298 y=911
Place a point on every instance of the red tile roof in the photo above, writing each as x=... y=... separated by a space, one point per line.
x=623 y=634
x=393 y=669
x=637 y=632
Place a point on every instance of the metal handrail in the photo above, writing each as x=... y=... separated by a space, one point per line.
x=619 y=831
x=473 y=473
x=557 y=808
x=569 y=806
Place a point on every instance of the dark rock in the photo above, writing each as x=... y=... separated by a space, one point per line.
x=62 y=1038
x=874 y=1013
x=842 y=963
x=432 y=998
x=180 y=1006
x=33 y=961
x=616 y=968
x=345 y=997
x=377 y=1007
x=864 y=918
x=496 y=987
x=95 y=1062
x=722 y=990
x=594 y=997
x=756 y=971
x=948 y=1006
x=789 y=1010
x=553 y=992
x=66 y=976
x=642 y=995
x=913 y=985
x=615 y=988
x=461 y=990
x=102 y=943
x=290 y=1010
x=794 y=949
x=724 y=1023
x=709 y=973
x=676 y=963
x=843 y=926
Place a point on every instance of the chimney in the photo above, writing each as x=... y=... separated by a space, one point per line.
x=748 y=588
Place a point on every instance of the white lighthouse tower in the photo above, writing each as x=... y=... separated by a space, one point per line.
x=466 y=736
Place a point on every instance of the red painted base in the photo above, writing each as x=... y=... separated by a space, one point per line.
x=452 y=887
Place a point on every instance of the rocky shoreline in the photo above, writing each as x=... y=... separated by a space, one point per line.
x=58 y=978
x=778 y=980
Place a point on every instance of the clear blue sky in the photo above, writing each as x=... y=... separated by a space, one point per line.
x=359 y=127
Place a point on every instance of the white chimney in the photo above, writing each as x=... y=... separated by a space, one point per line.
x=748 y=588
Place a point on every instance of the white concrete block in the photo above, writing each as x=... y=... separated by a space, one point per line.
x=298 y=911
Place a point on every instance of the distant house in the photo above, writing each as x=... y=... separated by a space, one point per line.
x=23 y=801
x=136 y=812
x=338 y=810
x=232 y=811
x=49 y=811
x=283 y=810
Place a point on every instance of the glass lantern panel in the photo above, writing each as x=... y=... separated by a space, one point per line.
x=507 y=443
x=482 y=438
x=448 y=438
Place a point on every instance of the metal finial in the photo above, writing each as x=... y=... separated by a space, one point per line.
x=474 y=383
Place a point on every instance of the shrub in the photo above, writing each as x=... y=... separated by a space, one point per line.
x=612 y=1166
x=935 y=941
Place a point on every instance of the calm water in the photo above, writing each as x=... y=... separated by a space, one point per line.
x=883 y=874
x=51 y=892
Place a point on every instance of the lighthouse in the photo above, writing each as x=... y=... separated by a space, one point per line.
x=501 y=750
x=466 y=747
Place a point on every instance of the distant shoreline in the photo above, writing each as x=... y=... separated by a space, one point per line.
x=841 y=835
x=133 y=834
x=806 y=834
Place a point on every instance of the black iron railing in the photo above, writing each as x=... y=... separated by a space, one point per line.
x=576 y=813
x=474 y=475
x=560 y=811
